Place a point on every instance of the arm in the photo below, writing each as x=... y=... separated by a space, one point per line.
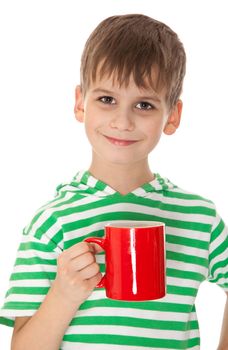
x=46 y=328
x=223 y=343
x=77 y=276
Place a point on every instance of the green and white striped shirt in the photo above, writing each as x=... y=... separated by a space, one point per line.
x=196 y=250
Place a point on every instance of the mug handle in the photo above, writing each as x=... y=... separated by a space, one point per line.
x=101 y=243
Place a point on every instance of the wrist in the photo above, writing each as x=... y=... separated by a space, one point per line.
x=62 y=300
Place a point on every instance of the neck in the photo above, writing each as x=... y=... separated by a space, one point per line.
x=123 y=178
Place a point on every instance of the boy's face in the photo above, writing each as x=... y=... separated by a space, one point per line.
x=124 y=124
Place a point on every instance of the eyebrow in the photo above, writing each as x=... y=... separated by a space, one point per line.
x=148 y=97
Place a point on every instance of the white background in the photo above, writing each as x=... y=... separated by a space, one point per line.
x=42 y=145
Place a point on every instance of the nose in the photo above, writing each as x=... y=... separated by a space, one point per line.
x=122 y=121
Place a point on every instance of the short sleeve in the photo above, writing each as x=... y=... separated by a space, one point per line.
x=218 y=254
x=33 y=273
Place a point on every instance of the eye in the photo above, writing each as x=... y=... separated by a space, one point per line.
x=107 y=100
x=145 y=106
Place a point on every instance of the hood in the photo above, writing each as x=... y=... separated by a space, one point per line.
x=86 y=184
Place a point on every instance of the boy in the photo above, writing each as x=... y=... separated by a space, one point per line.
x=132 y=72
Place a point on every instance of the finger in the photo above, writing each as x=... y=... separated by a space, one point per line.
x=92 y=282
x=82 y=261
x=95 y=248
x=75 y=251
x=89 y=271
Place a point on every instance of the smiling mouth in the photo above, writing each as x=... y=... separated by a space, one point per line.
x=120 y=142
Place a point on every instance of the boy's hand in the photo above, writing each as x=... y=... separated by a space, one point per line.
x=77 y=272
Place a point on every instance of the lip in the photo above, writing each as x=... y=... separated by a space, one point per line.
x=119 y=142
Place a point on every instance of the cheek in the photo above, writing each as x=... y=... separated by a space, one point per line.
x=153 y=127
x=96 y=122
x=153 y=132
x=89 y=130
x=92 y=127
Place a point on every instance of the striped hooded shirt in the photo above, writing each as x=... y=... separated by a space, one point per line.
x=196 y=250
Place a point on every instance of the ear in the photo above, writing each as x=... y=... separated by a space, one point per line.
x=174 y=118
x=79 y=104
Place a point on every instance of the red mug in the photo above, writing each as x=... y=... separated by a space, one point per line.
x=135 y=260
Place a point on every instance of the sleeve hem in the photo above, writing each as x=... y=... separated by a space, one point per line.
x=7 y=317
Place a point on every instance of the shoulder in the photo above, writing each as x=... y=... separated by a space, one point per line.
x=191 y=203
x=172 y=190
x=45 y=224
x=48 y=221
x=182 y=193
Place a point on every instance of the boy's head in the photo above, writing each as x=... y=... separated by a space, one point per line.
x=135 y=45
x=132 y=73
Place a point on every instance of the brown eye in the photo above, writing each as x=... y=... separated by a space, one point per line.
x=106 y=99
x=145 y=106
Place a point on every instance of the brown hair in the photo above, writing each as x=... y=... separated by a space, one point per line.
x=134 y=44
